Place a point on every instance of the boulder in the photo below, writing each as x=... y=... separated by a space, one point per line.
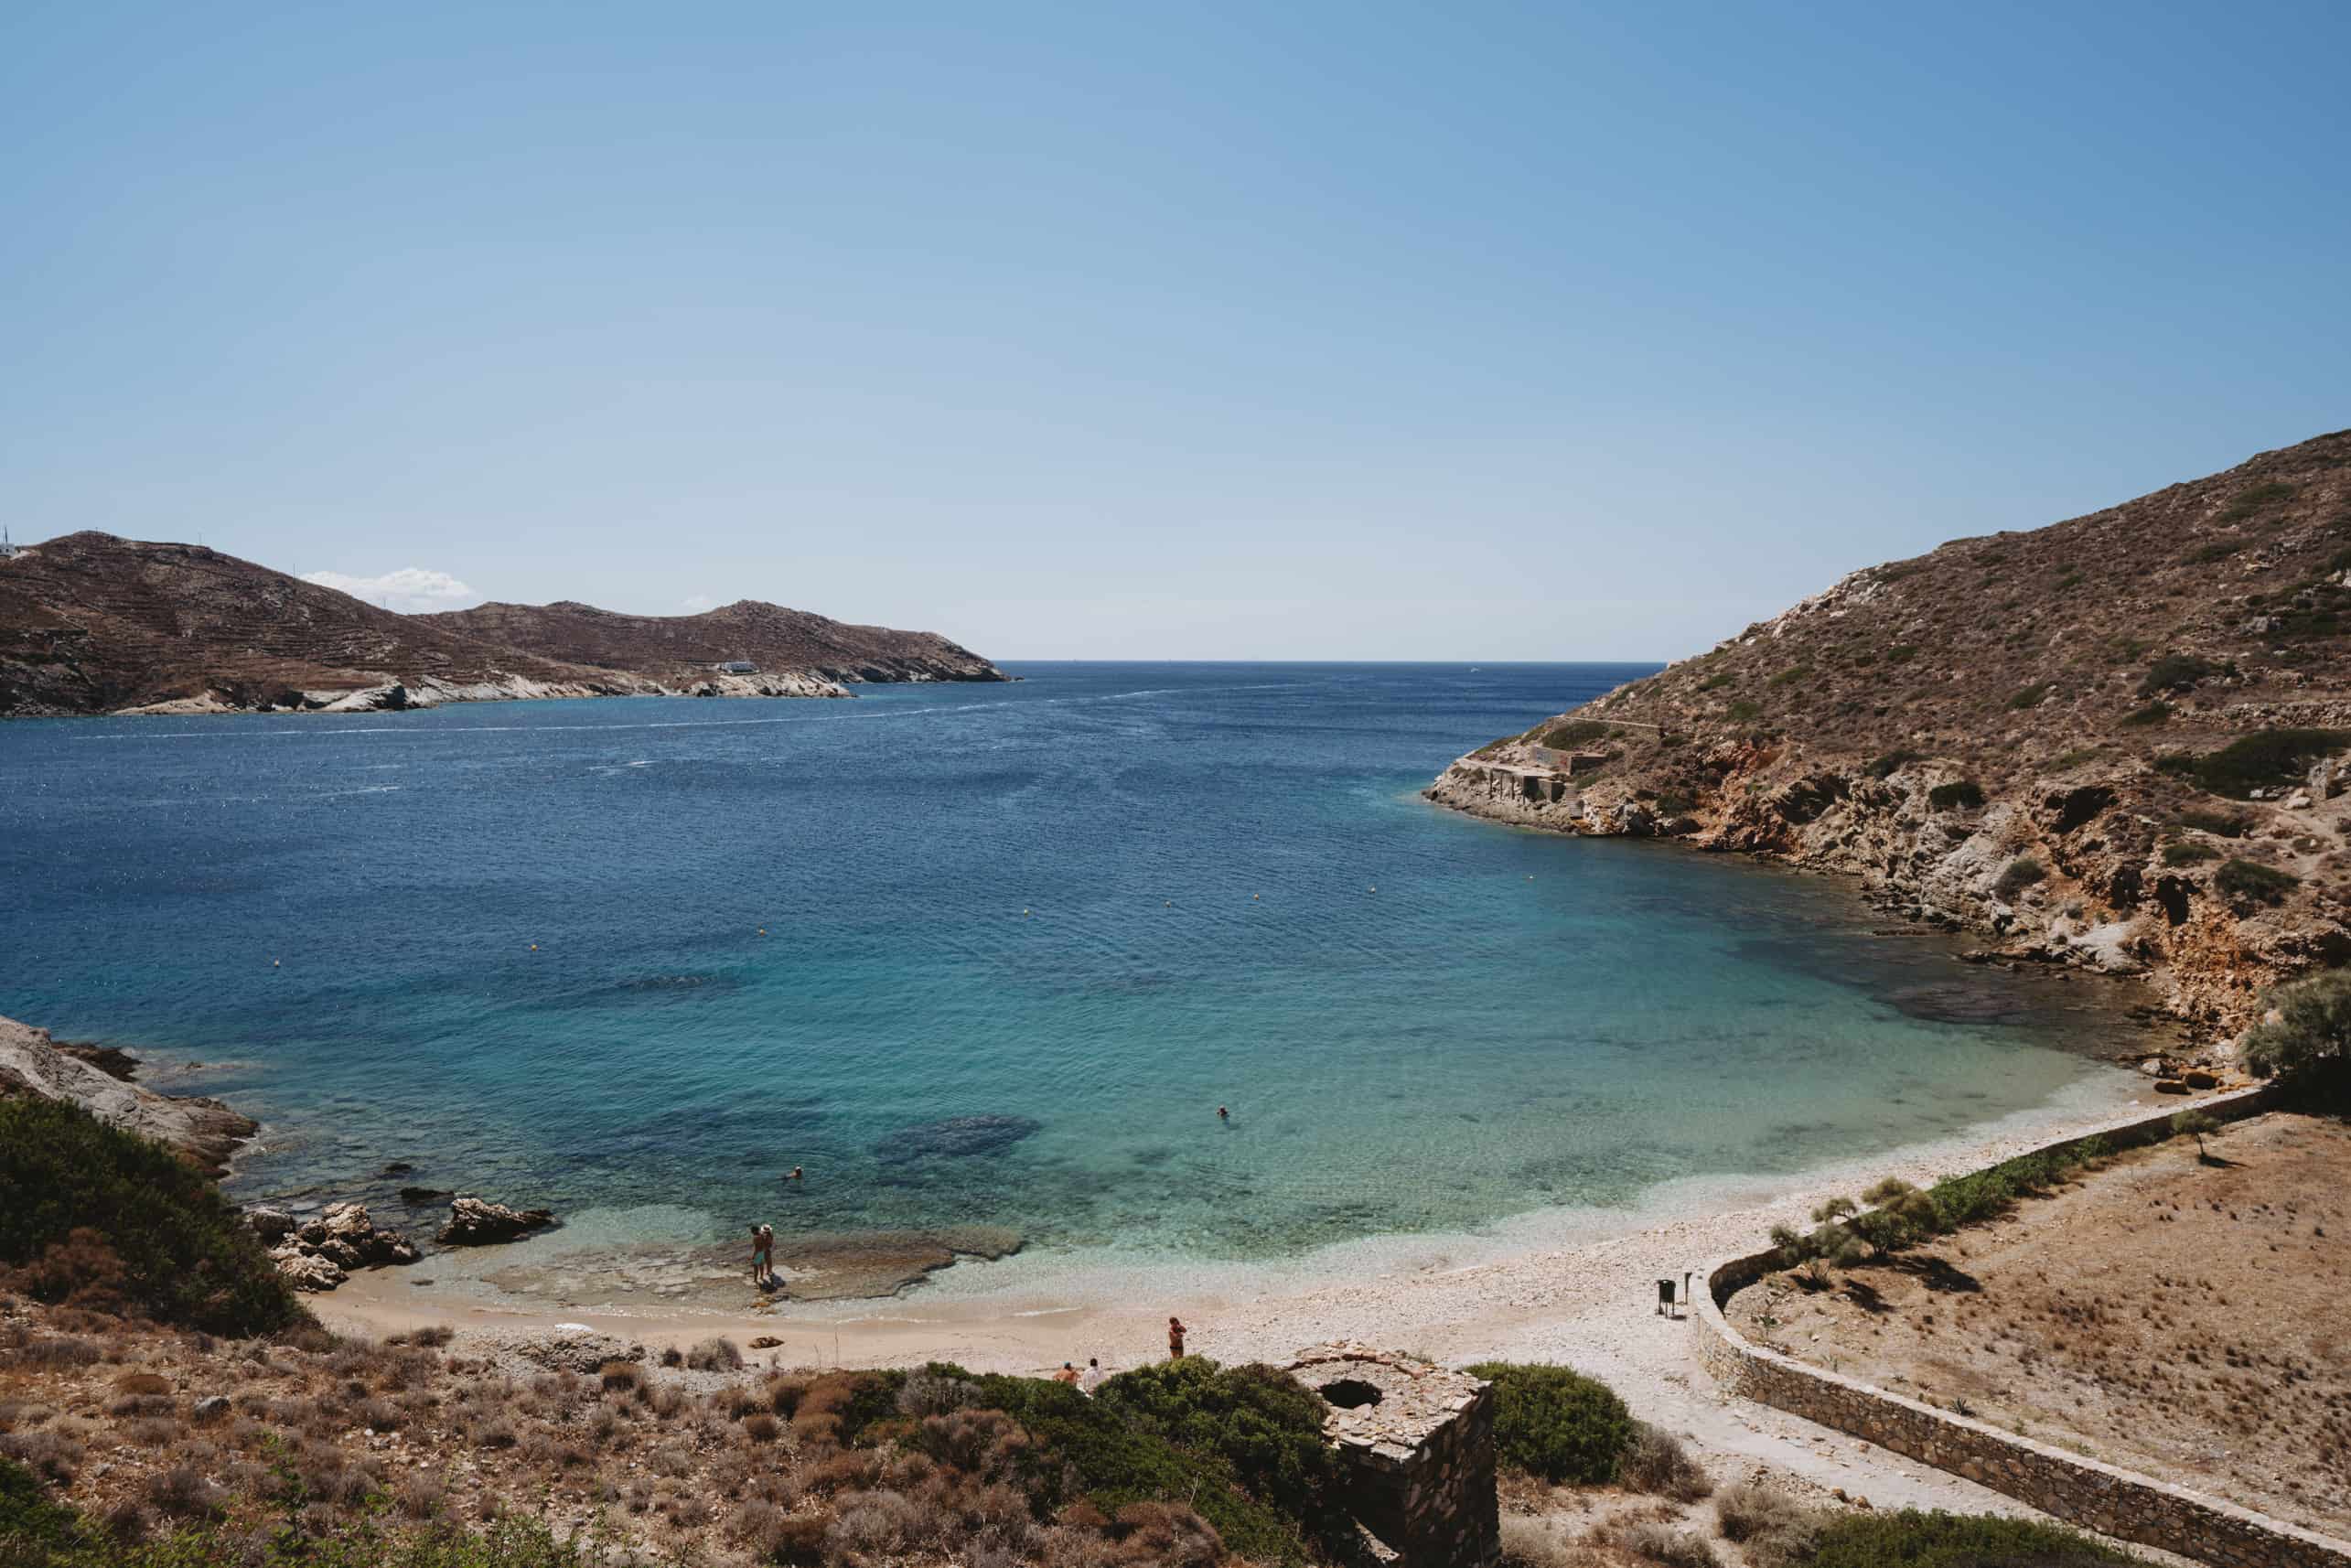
x=2198 y=1078
x=269 y=1224
x=211 y=1407
x=319 y=1253
x=306 y=1271
x=2171 y=1086
x=475 y=1223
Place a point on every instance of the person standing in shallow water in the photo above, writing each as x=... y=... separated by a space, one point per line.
x=1175 y=1338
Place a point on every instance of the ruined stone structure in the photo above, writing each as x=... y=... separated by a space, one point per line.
x=1418 y=1444
x=2083 y=1491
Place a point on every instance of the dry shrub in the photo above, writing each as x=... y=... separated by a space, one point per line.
x=1538 y=1543
x=53 y=1456
x=621 y=1376
x=986 y=1444
x=433 y=1336
x=800 y=1538
x=784 y=1392
x=1776 y=1529
x=381 y=1415
x=125 y=1522
x=62 y=1350
x=874 y=1523
x=141 y=1384
x=664 y=1401
x=688 y=1511
x=148 y=1432
x=735 y=1401
x=83 y=1272
x=760 y=1426
x=843 y=1470
x=496 y=1433
x=420 y=1494
x=671 y=1459
x=716 y=1355
x=1673 y=1548
x=1657 y=1462
x=142 y=1404
x=925 y=1393
x=182 y=1492
x=1166 y=1533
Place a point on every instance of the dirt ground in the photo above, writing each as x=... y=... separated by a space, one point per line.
x=2182 y=1318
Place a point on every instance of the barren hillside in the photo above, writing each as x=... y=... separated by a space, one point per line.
x=90 y=623
x=767 y=635
x=2116 y=741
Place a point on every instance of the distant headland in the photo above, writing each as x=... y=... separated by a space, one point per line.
x=93 y=624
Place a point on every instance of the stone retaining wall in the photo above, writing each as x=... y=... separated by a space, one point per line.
x=2103 y=1497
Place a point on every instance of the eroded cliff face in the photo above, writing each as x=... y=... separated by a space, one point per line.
x=2113 y=742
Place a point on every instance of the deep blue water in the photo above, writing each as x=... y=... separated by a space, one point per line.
x=1091 y=907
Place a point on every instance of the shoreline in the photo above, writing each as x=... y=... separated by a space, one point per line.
x=1520 y=1289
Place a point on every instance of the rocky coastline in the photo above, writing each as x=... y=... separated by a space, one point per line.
x=2104 y=743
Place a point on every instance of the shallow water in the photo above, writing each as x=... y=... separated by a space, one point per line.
x=1019 y=943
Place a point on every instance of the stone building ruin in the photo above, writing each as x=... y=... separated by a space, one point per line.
x=1417 y=1441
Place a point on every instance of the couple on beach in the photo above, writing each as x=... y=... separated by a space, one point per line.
x=763 y=1257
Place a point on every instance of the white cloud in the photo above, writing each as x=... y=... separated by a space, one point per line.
x=698 y=603
x=410 y=590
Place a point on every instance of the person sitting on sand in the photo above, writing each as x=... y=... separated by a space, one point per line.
x=1067 y=1374
x=1092 y=1377
x=762 y=1255
x=1175 y=1338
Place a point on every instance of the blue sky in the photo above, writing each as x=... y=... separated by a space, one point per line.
x=1356 y=330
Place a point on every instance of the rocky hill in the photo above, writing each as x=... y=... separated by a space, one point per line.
x=90 y=623
x=679 y=646
x=2119 y=742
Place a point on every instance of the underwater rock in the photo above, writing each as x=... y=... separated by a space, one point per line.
x=956 y=1137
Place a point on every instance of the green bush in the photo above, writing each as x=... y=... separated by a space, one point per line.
x=2219 y=550
x=2176 y=673
x=2187 y=852
x=1909 y=1539
x=2257 y=500
x=2153 y=713
x=1886 y=764
x=1261 y=1422
x=1576 y=732
x=1902 y=653
x=1744 y=711
x=1791 y=676
x=1717 y=681
x=2219 y=824
x=161 y=1236
x=1965 y=793
x=2022 y=872
x=2311 y=1037
x=2253 y=761
x=2030 y=697
x=2250 y=882
x=1556 y=1423
x=1092 y=1450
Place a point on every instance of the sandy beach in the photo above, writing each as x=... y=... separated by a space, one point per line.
x=1577 y=1289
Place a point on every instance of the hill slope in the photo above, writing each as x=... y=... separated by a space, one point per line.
x=90 y=623
x=2118 y=741
x=769 y=636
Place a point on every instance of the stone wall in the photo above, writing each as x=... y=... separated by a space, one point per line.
x=2103 y=1497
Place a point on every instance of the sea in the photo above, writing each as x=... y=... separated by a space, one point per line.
x=978 y=956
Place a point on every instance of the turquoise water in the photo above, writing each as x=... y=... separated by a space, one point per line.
x=1020 y=943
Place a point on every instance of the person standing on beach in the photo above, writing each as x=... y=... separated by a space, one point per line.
x=1092 y=1377
x=1175 y=1338
x=763 y=1254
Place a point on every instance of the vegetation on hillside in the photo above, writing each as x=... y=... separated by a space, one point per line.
x=1556 y=1423
x=97 y=1218
x=2309 y=1042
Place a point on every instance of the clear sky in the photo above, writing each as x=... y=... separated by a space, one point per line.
x=1305 y=330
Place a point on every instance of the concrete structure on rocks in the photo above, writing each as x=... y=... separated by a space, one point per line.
x=1418 y=1444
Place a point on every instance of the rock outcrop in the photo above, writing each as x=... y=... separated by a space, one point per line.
x=204 y=1132
x=90 y=623
x=2116 y=743
x=475 y=1223
x=319 y=1254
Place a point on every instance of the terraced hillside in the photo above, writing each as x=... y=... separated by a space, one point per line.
x=2120 y=741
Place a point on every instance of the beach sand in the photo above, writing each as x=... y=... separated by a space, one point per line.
x=1576 y=1288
